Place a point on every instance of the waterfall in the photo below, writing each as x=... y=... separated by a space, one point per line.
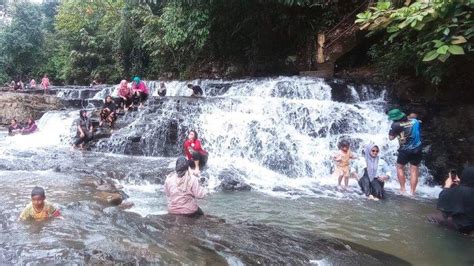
x=276 y=134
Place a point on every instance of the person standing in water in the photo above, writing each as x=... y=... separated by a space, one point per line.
x=39 y=209
x=195 y=154
x=197 y=90
x=140 y=91
x=408 y=132
x=374 y=174
x=45 y=83
x=32 y=84
x=182 y=189
x=342 y=160
x=84 y=130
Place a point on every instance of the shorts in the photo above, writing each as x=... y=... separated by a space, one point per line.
x=342 y=171
x=409 y=156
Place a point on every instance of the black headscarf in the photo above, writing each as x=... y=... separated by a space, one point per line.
x=458 y=202
x=181 y=166
x=81 y=114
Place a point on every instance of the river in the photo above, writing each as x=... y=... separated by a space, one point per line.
x=275 y=135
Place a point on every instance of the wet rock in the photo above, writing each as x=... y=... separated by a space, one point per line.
x=109 y=197
x=21 y=106
x=126 y=205
x=231 y=180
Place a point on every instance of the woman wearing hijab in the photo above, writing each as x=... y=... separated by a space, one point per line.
x=125 y=95
x=31 y=127
x=140 y=91
x=182 y=189
x=375 y=173
x=457 y=203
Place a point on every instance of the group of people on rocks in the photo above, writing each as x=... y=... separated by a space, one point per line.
x=16 y=128
x=129 y=96
x=18 y=84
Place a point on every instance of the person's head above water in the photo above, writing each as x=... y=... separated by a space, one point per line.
x=13 y=121
x=136 y=79
x=182 y=166
x=467 y=177
x=31 y=121
x=344 y=145
x=396 y=115
x=192 y=134
x=37 y=197
x=190 y=85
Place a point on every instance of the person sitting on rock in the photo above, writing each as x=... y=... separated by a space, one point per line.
x=456 y=203
x=39 y=209
x=30 y=127
x=14 y=127
x=32 y=84
x=162 y=89
x=140 y=91
x=125 y=95
x=182 y=189
x=195 y=154
x=84 y=130
x=374 y=174
x=108 y=112
x=197 y=90
x=12 y=85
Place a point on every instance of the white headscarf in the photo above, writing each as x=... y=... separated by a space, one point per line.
x=372 y=162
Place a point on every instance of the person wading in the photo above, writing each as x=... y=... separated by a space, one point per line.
x=408 y=133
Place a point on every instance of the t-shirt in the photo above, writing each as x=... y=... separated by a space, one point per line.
x=111 y=106
x=197 y=91
x=190 y=146
x=48 y=211
x=85 y=124
x=408 y=133
x=141 y=87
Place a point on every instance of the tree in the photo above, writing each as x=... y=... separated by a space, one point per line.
x=22 y=40
x=436 y=29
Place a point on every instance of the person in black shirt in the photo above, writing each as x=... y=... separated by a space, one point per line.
x=108 y=113
x=197 y=91
x=84 y=130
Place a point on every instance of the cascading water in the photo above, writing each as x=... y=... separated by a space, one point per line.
x=277 y=134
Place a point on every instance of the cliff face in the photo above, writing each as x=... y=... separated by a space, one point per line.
x=21 y=106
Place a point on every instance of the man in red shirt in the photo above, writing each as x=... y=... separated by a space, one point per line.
x=195 y=154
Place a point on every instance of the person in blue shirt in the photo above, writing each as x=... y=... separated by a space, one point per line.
x=408 y=132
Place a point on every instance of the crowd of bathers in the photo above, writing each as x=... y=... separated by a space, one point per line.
x=183 y=188
x=18 y=84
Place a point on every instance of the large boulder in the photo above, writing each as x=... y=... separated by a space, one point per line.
x=21 y=106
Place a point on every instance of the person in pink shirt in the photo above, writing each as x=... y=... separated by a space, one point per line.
x=32 y=84
x=182 y=190
x=45 y=82
x=140 y=91
x=125 y=95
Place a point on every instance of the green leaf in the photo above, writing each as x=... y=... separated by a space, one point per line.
x=443 y=57
x=456 y=49
x=430 y=56
x=446 y=31
x=438 y=43
x=443 y=49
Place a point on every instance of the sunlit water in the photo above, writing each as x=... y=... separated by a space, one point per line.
x=279 y=133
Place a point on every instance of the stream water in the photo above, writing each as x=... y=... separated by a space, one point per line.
x=276 y=135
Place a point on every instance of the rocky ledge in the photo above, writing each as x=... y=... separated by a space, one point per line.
x=22 y=106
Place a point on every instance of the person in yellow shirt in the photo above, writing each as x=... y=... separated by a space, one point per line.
x=39 y=209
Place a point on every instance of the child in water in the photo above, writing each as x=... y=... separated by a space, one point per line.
x=39 y=209
x=342 y=161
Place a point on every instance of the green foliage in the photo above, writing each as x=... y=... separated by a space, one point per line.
x=438 y=29
x=21 y=41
